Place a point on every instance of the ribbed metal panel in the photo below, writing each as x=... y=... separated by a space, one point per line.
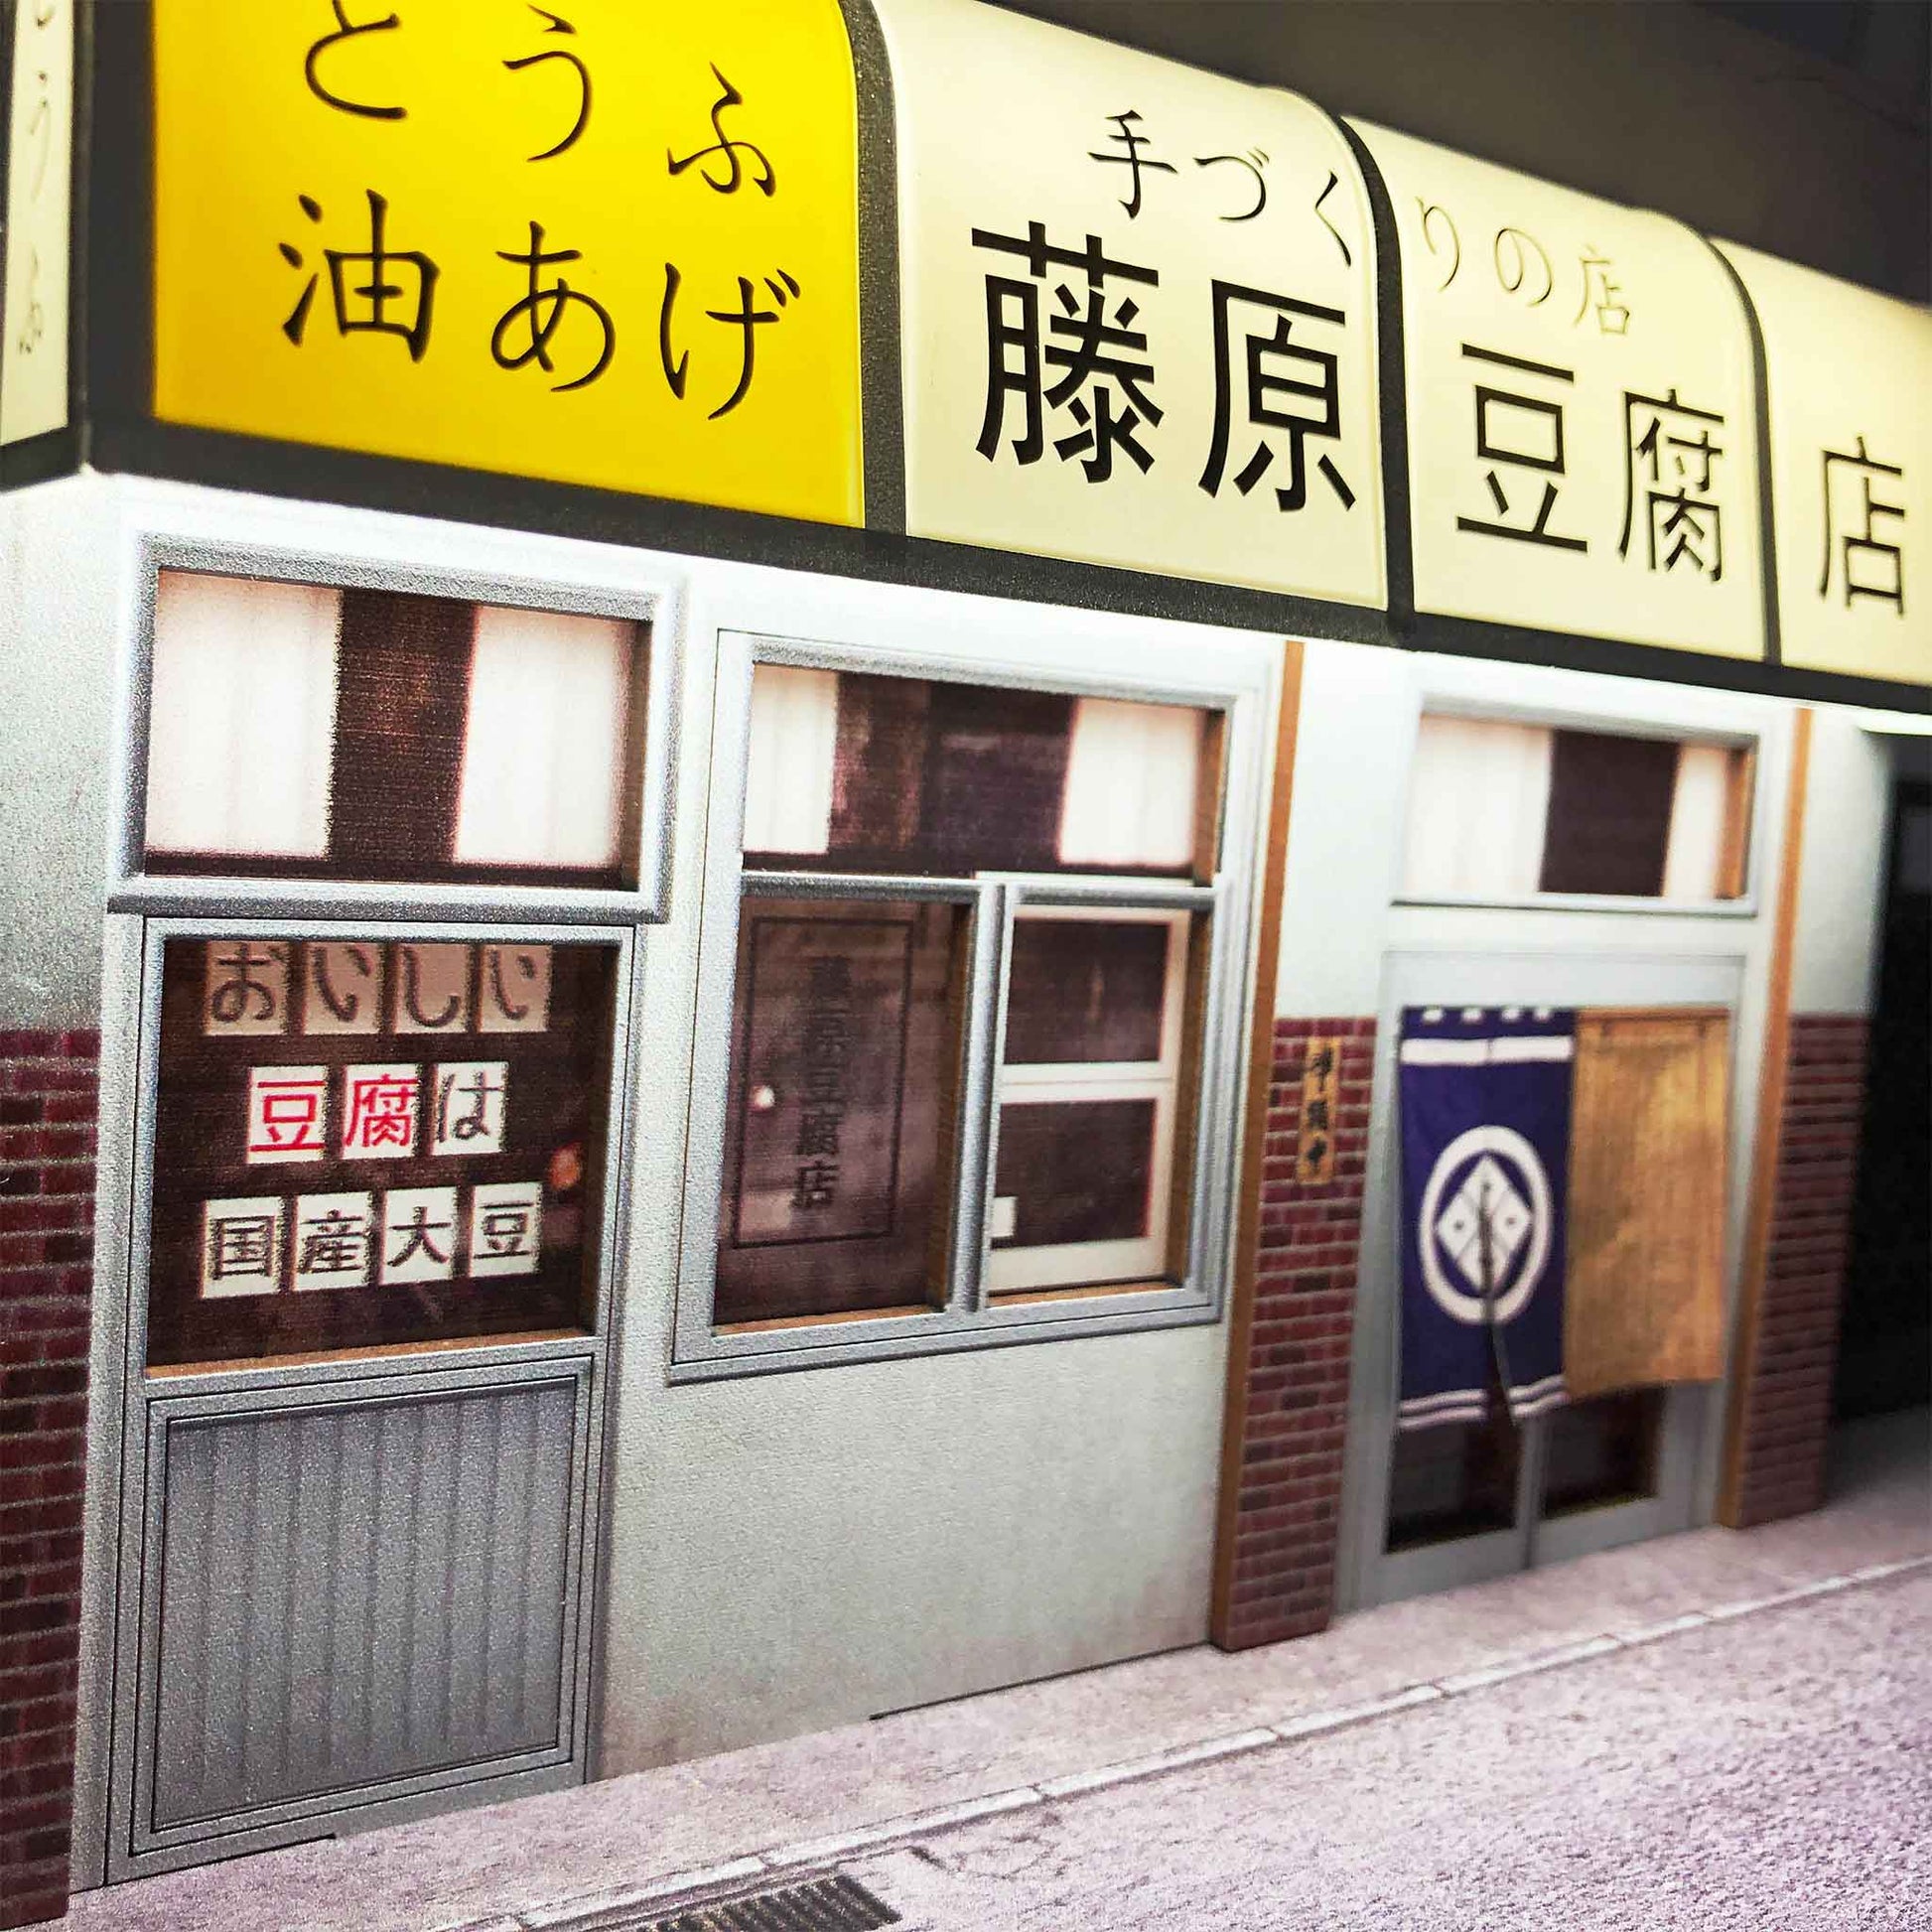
x=355 y=1592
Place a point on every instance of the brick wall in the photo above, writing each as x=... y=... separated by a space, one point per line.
x=1788 y=1396
x=48 y=1084
x=1296 y=1413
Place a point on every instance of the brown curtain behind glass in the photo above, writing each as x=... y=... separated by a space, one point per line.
x=1644 y=1300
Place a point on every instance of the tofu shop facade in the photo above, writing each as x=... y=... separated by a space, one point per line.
x=856 y=852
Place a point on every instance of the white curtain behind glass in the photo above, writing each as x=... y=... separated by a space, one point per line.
x=1478 y=800
x=241 y=724
x=788 y=780
x=1693 y=858
x=1132 y=778
x=544 y=743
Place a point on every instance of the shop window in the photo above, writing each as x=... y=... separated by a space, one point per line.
x=970 y=991
x=1502 y=811
x=306 y=731
x=362 y=1143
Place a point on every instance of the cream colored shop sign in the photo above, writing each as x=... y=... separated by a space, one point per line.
x=1138 y=311
x=1850 y=375
x=1582 y=418
x=34 y=222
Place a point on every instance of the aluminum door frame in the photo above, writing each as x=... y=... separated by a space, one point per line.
x=1366 y=1574
x=115 y=1618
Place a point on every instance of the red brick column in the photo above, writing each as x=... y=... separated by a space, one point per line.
x=1787 y=1394
x=48 y=1084
x=1298 y=1342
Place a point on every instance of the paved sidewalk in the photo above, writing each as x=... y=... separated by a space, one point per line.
x=800 y=1805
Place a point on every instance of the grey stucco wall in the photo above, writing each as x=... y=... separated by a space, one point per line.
x=58 y=617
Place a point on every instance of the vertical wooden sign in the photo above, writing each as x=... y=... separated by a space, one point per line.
x=1314 y=1154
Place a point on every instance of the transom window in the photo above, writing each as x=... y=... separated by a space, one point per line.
x=342 y=733
x=1502 y=811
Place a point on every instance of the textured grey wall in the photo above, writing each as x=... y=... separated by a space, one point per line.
x=1664 y=104
x=57 y=618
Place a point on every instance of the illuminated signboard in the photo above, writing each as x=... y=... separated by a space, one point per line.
x=1139 y=311
x=1850 y=375
x=1583 y=443
x=613 y=245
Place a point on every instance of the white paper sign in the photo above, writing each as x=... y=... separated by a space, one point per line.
x=513 y=990
x=335 y=1237
x=246 y=986
x=419 y=1233
x=288 y=1114
x=241 y=1247
x=381 y=1107
x=470 y=1096
x=432 y=993
x=505 y=1228
x=342 y=988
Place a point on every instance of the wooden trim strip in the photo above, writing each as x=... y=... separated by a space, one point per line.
x=1261 y=1062
x=1770 y=1120
x=387 y=1351
x=1653 y=1013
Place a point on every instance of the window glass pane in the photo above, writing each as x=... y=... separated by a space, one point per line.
x=1504 y=810
x=845 y=1049
x=399 y=713
x=1092 y=1130
x=1132 y=784
x=1602 y=1452
x=1710 y=823
x=1076 y=1172
x=794 y=740
x=544 y=749
x=1478 y=796
x=1086 y=990
x=906 y=776
x=243 y=707
x=1450 y=1480
x=368 y=735
x=361 y=1143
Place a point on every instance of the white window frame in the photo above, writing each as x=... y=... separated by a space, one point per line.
x=1242 y=685
x=132 y=889
x=1556 y=717
x=1071 y=1264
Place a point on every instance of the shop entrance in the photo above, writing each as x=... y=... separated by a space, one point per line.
x=360 y=1185
x=1457 y=1502
x=1885 y=1356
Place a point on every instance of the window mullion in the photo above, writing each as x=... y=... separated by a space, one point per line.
x=986 y=1009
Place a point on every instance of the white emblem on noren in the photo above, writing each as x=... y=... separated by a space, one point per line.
x=1491 y=1162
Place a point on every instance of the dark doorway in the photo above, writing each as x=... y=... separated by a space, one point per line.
x=1884 y=1358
